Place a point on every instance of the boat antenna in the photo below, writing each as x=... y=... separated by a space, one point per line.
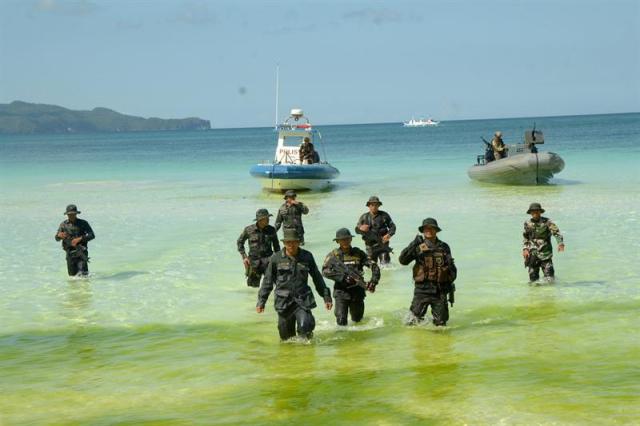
x=277 y=92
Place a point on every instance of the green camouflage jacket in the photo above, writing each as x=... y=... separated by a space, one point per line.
x=537 y=237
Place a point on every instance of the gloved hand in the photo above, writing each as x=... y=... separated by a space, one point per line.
x=371 y=286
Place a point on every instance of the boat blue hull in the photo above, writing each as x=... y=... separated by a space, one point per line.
x=281 y=177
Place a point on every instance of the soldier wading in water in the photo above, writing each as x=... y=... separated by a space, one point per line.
x=263 y=242
x=433 y=274
x=376 y=228
x=75 y=235
x=288 y=271
x=537 y=250
x=344 y=266
x=290 y=214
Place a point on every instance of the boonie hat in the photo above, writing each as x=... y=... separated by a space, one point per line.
x=374 y=199
x=430 y=222
x=343 y=234
x=290 y=235
x=262 y=213
x=290 y=193
x=535 y=206
x=72 y=209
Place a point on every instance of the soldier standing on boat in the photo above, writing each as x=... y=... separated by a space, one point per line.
x=75 y=235
x=376 y=228
x=290 y=214
x=344 y=266
x=434 y=272
x=263 y=242
x=288 y=271
x=537 y=249
x=498 y=146
x=307 y=151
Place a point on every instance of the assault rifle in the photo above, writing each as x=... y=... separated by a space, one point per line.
x=340 y=268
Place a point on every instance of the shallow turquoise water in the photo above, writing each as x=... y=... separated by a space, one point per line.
x=165 y=329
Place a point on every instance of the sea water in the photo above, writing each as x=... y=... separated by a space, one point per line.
x=165 y=329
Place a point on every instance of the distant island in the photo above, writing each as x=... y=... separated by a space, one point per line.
x=27 y=118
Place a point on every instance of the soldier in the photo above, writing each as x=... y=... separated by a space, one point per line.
x=263 y=242
x=497 y=144
x=344 y=266
x=290 y=214
x=75 y=234
x=537 y=250
x=433 y=274
x=307 y=151
x=376 y=228
x=289 y=271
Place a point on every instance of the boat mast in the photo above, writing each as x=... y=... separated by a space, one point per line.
x=277 y=93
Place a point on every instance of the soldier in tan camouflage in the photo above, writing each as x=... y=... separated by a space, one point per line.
x=537 y=250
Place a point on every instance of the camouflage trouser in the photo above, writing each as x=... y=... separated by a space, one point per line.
x=293 y=315
x=77 y=265
x=425 y=296
x=379 y=253
x=348 y=301
x=547 y=270
x=258 y=268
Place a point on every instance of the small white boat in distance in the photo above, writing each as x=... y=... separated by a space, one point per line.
x=421 y=122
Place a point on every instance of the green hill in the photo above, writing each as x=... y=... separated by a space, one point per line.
x=27 y=118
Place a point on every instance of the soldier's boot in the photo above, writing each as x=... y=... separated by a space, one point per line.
x=356 y=308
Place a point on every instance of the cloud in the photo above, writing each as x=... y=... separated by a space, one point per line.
x=66 y=7
x=197 y=14
x=378 y=16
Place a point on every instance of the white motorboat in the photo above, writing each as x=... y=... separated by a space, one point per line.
x=421 y=122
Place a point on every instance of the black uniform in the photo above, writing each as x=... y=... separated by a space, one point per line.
x=290 y=217
x=379 y=225
x=293 y=297
x=434 y=272
x=347 y=296
x=262 y=244
x=78 y=256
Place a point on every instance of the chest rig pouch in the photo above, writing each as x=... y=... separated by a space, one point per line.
x=432 y=265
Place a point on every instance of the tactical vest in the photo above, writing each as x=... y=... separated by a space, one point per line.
x=352 y=262
x=260 y=244
x=432 y=265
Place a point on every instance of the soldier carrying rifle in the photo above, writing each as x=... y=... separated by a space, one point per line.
x=75 y=235
x=376 y=228
x=263 y=242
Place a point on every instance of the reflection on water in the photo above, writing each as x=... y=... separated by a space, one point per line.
x=76 y=305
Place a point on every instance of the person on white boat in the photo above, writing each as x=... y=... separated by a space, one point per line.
x=499 y=149
x=307 y=152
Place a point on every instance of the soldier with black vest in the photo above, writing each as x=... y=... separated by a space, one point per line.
x=344 y=266
x=288 y=271
x=376 y=228
x=434 y=272
x=290 y=214
x=263 y=242
x=75 y=235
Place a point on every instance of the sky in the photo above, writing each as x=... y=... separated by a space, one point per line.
x=341 y=61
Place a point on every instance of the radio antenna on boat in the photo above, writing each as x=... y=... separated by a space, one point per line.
x=277 y=93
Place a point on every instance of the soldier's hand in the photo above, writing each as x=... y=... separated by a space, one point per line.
x=561 y=247
x=76 y=241
x=246 y=262
x=386 y=238
x=525 y=253
x=328 y=305
x=259 y=309
x=371 y=287
x=62 y=235
x=364 y=228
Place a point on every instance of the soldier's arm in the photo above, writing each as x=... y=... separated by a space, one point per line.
x=328 y=270
x=88 y=233
x=526 y=242
x=361 y=221
x=318 y=281
x=279 y=220
x=303 y=208
x=375 y=270
x=451 y=262
x=409 y=253
x=391 y=225
x=60 y=229
x=267 y=283
x=241 y=240
x=275 y=243
x=555 y=231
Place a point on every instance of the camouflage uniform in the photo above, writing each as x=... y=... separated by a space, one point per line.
x=537 y=239
x=290 y=217
x=307 y=153
x=78 y=256
x=349 y=297
x=434 y=272
x=499 y=150
x=293 y=297
x=261 y=242
x=379 y=225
